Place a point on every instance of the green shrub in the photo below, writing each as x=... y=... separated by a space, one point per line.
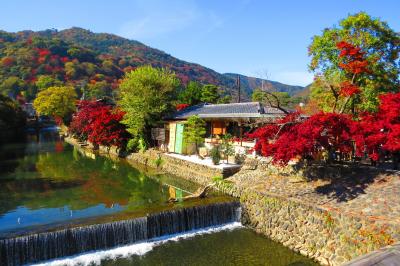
x=159 y=161
x=227 y=146
x=217 y=178
x=132 y=145
x=215 y=155
x=142 y=145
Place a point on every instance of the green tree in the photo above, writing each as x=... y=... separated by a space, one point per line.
x=381 y=45
x=146 y=96
x=225 y=99
x=209 y=94
x=100 y=89
x=45 y=81
x=11 y=115
x=191 y=94
x=195 y=131
x=226 y=146
x=56 y=101
x=12 y=86
x=259 y=95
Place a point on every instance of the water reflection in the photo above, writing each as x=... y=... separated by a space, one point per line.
x=45 y=180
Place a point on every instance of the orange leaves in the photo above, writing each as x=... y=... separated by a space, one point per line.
x=353 y=57
x=348 y=89
x=7 y=61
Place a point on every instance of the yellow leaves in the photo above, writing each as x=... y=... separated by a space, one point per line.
x=55 y=101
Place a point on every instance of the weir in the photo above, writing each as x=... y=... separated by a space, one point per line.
x=49 y=245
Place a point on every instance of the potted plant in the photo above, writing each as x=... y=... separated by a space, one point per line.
x=215 y=155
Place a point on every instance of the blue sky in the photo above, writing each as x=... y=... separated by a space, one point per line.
x=256 y=38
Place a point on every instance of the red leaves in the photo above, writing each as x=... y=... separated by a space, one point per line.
x=99 y=124
x=181 y=106
x=349 y=50
x=43 y=52
x=348 y=89
x=105 y=129
x=355 y=67
x=373 y=134
x=353 y=57
x=64 y=59
x=380 y=131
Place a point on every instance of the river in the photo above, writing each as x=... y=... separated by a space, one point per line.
x=49 y=188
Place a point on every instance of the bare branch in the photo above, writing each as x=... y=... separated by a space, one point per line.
x=278 y=103
x=334 y=93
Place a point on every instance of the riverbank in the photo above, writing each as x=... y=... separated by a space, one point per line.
x=337 y=215
x=331 y=220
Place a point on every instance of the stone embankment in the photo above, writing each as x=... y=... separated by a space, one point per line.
x=184 y=169
x=162 y=162
x=316 y=221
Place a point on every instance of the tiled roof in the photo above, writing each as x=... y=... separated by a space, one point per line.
x=273 y=110
x=231 y=110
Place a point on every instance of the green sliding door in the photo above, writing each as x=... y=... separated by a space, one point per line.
x=179 y=138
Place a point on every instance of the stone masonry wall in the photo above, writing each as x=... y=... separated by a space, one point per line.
x=326 y=236
x=184 y=169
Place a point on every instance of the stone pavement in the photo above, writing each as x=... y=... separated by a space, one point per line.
x=357 y=195
x=388 y=256
x=369 y=194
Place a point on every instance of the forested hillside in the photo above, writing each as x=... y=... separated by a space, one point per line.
x=94 y=63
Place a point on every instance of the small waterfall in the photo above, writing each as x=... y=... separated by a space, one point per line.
x=67 y=242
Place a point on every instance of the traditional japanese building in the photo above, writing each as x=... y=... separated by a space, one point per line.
x=237 y=119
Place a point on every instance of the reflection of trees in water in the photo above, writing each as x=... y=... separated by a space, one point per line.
x=53 y=180
x=13 y=155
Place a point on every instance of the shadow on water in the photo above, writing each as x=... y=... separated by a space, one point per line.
x=231 y=247
x=346 y=182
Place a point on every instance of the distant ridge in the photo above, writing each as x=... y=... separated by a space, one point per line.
x=120 y=54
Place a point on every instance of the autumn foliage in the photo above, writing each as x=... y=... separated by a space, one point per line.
x=99 y=123
x=353 y=58
x=377 y=133
x=293 y=137
x=336 y=135
x=181 y=106
x=372 y=134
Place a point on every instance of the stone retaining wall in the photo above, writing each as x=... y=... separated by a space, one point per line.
x=201 y=174
x=195 y=172
x=326 y=236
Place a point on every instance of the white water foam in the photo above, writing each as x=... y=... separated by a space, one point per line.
x=139 y=249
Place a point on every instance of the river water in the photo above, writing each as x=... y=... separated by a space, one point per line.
x=47 y=184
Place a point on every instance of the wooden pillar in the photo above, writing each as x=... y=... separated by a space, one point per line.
x=241 y=133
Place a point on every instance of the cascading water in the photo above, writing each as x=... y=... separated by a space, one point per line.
x=50 y=245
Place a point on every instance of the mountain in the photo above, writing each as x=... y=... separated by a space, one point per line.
x=248 y=84
x=95 y=62
x=304 y=93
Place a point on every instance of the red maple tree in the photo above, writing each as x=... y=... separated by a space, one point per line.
x=371 y=134
x=99 y=123
x=292 y=137
x=377 y=133
x=106 y=128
